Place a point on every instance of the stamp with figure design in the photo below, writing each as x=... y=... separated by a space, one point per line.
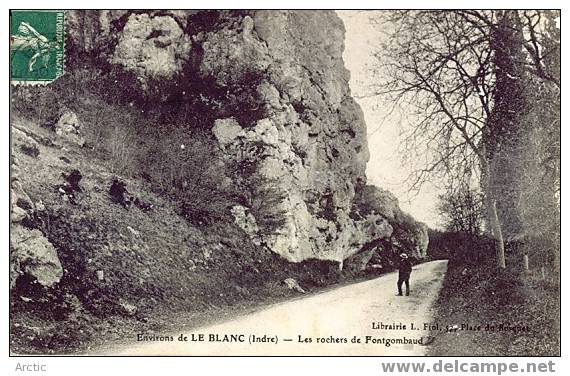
x=36 y=46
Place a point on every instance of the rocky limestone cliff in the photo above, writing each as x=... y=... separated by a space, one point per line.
x=408 y=235
x=312 y=137
x=303 y=128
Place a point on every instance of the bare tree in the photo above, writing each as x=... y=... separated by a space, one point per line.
x=462 y=210
x=457 y=76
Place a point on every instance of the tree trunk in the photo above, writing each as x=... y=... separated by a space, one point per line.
x=493 y=223
x=497 y=232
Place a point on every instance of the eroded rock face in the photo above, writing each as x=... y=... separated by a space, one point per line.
x=312 y=138
x=246 y=221
x=232 y=53
x=358 y=262
x=21 y=204
x=152 y=46
x=34 y=255
x=69 y=127
x=421 y=240
x=30 y=252
x=371 y=199
x=408 y=235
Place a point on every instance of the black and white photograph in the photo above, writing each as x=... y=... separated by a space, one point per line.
x=254 y=182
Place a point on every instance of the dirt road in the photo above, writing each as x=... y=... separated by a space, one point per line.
x=323 y=324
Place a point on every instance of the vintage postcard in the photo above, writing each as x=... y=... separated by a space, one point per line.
x=285 y=182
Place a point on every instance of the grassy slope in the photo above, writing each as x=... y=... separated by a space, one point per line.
x=477 y=294
x=177 y=275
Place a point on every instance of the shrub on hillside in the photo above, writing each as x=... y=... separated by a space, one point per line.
x=186 y=167
x=265 y=199
x=261 y=194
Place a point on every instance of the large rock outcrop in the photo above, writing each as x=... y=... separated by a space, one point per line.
x=69 y=127
x=295 y=121
x=152 y=46
x=311 y=139
x=34 y=255
x=21 y=205
x=408 y=235
x=31 y=253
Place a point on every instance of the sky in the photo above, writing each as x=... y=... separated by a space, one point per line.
x=385 y=168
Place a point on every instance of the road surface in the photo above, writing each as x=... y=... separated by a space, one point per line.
x=322 y=324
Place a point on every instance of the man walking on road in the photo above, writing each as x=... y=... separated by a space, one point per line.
x=404 y=269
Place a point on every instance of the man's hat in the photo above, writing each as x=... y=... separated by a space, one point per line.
x=403 y=255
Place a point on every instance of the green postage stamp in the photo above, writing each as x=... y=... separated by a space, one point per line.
x=37 y=46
